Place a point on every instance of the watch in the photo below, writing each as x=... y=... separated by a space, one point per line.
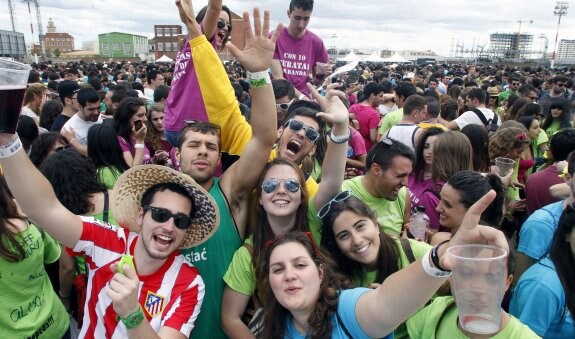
x=134 y=319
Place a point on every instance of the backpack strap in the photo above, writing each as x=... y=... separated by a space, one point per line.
x=407 y=250
x=481 y=116
x=413 y=135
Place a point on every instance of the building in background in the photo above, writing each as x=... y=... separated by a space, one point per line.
x=166 y=41
x=91 y=45
x=566 y=49
x=508 y=46
x=55 y=43
x=118 y=46
x=12 y=45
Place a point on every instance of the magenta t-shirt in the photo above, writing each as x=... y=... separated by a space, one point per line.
x=368 y=118
x=129 y=147
x=421 y=193
x=185 y=101
x=299 y=56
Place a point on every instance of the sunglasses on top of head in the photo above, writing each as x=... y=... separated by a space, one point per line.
x=272 y=184
x=159 y=214
x=310 y=133
x=222 y=24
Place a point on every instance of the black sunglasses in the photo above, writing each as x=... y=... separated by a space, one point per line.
x=310 y=133
x=222 y=24
x=159 y=214
x=271 y=185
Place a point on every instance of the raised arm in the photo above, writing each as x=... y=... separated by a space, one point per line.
x=239 y=180
x=333 y=167
x=211 y=18
x=381 y=310
x=35 y=194
x=219 y=99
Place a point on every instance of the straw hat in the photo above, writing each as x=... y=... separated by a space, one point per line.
x=493 y=91
x=132 y=184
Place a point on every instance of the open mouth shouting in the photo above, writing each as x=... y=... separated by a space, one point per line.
x=163 y=241
x=294 y=147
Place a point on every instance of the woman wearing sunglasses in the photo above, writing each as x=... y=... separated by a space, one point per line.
x=187 y=101
x=364 y=254
x=282 y=206
x=304 y=298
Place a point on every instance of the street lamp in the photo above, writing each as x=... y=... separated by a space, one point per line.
x=334 y=37
x=560 y=10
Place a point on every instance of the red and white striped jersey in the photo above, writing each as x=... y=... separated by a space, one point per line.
x=172 y=296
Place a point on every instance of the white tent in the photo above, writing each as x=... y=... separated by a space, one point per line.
x=350 y=57
x=164 y=58
x=396 y=58
x=374 y=57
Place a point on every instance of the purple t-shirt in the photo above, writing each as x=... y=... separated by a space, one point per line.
x=299 y=56
x=129 y=147
x=422 y=193
x=185 y=101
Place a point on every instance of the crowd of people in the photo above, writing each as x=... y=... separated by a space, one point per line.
x=267 y=198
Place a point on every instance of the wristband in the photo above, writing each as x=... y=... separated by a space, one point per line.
x=432 y=271
x=11 y=148
x=139 y=146
x=435 y=257
x=259 y=79
x=133 y=320
x=338 y=139
x=301 y=97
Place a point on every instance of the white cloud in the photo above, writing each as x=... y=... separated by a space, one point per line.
x=393 y=24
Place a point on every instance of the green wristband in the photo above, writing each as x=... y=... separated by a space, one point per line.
x=133 y=320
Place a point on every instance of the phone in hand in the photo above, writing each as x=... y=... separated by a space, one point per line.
x=138 y=125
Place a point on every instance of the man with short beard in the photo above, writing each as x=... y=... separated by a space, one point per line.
x=556 y=93
x=382 y=187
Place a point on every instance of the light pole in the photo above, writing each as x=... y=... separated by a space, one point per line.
x=334 y=37
x=560 y=10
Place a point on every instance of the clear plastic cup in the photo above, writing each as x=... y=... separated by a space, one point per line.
x=478 y=285
x=505 y=165
x=13 y=80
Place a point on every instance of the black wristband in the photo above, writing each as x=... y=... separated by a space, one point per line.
x=435 y=257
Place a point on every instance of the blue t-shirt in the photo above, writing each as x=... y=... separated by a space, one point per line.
x=346 y=309
x=539 y=302
x=537 y=232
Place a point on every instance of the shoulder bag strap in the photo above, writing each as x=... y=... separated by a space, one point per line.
x=106 y=206
x=407 y=249
x=481 y=116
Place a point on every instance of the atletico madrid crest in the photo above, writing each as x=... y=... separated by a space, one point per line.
x=154 y=304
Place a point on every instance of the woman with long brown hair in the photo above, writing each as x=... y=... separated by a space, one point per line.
x=29 y=303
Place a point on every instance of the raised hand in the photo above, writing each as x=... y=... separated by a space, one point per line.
x=334 y=111
x=186 y=12
x=259 y=51
x=470 y=232
x=123 y=290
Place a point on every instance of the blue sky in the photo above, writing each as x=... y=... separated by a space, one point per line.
x=377 y=24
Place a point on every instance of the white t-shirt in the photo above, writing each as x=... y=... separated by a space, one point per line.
x=149 y=93
x=81 y=127
x=470 y=117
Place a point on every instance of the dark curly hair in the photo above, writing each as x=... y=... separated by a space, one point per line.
x=42 y=146
x=331 y=285
x=74 y=180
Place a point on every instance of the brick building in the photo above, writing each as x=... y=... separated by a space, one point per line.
x=52 y=41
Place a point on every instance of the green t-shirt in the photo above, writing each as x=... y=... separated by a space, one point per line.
x=424 y=324
x=108 y=176
x=212 y=259
x=389 y=212
x=419 y=248
x=29 y=307
x=504 y=95
x=389 y=120
x=542 y=138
